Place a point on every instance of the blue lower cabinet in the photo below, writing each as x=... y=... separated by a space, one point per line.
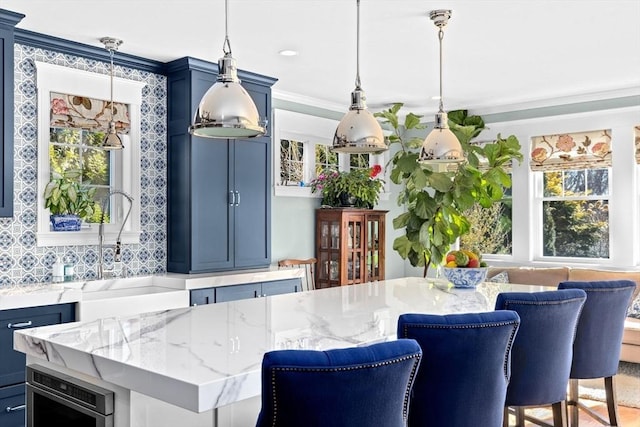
x=202 y=296
x=12 y=363
x=13 y=406
x=236 y=292
x=244 y=291
x=278 y=287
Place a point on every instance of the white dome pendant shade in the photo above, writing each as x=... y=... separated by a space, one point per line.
x=358 y=131
x=226 y=110
x=441 y=147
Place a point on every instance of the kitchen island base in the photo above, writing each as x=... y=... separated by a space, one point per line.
x=135 y=409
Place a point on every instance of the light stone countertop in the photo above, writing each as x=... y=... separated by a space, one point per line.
x=32 y=295
x=204 y=357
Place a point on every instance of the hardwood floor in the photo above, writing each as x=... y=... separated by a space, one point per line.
x=629 y=417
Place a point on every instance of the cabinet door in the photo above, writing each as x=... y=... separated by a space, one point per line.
x=211 y=204
x=236 y=292
x=202 y=296
x=12 y=367
x=13 y=406
x=252 y=228
x=278 y=287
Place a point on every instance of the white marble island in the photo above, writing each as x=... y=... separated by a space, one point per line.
x=203 y=358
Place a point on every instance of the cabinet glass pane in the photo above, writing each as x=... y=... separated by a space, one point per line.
x=324 y=234
x=335 y=235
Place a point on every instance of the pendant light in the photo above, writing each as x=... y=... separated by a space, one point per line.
x=441 y=149
x=358 y=131
x=111 y=140
x=227 y=110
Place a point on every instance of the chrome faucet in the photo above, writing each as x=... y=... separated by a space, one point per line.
x=118 y=248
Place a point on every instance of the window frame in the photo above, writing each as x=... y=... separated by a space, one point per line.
x=540 y=198
x=624 y=251
x=126 y=166
x=310 y=131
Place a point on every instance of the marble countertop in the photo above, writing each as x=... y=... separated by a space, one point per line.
x=204 y=357
x=32 y=295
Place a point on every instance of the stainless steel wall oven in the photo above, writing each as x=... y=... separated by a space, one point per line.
x=55 y=399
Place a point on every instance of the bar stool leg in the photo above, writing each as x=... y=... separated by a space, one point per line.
x=612 y=400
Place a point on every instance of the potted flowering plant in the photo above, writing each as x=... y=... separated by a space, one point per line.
x=358 y=187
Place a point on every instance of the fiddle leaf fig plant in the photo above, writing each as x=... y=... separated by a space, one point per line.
x=435 y=201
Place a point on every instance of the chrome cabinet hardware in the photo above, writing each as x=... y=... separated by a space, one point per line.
x=19 y=325
x=16 y=408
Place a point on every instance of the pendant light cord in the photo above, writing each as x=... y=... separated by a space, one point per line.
x=358 y=45
x=440 y=37
x=111 y=57
x=226 y=46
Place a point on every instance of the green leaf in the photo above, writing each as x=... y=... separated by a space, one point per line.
x=411 y=121
x=402 y=245
x=440 y=181
x=401 y=220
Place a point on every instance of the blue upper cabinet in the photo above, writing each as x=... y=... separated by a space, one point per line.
x=8 y=21
x=219 y=205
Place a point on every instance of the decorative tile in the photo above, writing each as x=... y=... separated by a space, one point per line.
x=21 y=261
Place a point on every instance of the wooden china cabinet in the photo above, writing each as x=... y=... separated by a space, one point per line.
x=349 y=246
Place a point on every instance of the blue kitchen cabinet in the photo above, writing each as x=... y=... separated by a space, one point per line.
x=12 y=367
x=8 y=21
x=219 y=203
x=244 y=291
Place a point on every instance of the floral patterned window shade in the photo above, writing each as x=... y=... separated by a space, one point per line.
x=636 y=133
x=87 y=113
x=581 y=150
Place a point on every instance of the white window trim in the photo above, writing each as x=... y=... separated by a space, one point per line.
x=311 y=130
x=54 y=78
x=624 y=229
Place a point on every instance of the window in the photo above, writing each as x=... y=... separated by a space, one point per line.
x=491 y=228
x=573 y=193
x=575 y=213
x=305 y=143
x=68 y=140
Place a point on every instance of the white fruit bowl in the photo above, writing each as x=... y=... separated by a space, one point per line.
x=465 y=277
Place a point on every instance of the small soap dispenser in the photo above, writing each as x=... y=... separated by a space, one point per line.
x=57 y=271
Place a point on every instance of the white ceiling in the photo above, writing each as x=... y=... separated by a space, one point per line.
x=496 y=53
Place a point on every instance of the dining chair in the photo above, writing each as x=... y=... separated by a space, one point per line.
x=358 y=386
x=596 y=349
x=462 y=379
x=309 y=270
x=542 y=351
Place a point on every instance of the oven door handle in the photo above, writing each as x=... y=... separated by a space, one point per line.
x=101 y=420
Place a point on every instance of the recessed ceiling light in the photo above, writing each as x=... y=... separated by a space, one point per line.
x=288 y=52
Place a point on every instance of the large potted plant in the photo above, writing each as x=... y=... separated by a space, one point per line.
x=357 y=188
x=68 y=200
x=436 y=202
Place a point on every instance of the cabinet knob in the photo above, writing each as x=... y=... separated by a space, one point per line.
x=237 y=198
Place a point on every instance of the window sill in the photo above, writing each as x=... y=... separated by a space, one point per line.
x=88 y=236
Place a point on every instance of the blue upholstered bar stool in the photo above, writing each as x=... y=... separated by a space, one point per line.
x=596 y=349
x=353 y=387
x=542 y=351
x=463 y=377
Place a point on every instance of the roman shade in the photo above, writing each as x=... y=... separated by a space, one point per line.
x=580 y=150
x=82 y=112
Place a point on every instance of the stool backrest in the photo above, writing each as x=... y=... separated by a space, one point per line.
x=359 y=386
x=596 y=349
x=542 y=350
x=309 y=282
x=462 y=380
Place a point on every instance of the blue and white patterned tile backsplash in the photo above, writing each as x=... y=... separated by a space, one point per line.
x=21 y=260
